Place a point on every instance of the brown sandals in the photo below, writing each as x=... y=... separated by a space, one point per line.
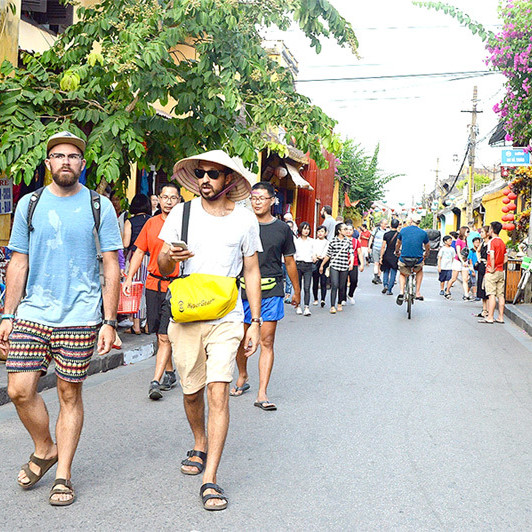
x=42 y=463
x=62 y=486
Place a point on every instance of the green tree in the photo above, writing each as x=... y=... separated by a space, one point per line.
x=359 y=172
x=103 y=76
x=479 y=180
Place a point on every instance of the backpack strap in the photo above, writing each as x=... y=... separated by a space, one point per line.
x=96 y=214
x=32 y=205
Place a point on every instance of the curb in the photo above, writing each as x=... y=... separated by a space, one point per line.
x=98 y=364
x=521 y=319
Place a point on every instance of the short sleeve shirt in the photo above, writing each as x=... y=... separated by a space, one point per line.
x=219 y=243
x=364 y=238
x=149 y=242
x=277 y=241
x=496 y=254
x=63 y=287
x=413 y=238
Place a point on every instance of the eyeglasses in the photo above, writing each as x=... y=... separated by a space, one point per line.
x=169 y=198
x=260 y=199
x=71 y=156
x=213 y=174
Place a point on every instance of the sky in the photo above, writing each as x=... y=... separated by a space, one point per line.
x=415 y=120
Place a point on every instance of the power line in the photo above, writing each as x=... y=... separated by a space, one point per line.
x=470 y=73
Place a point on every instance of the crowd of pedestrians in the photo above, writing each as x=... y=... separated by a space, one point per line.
x=63 y=286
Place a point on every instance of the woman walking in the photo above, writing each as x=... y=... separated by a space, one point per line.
x=389 y=258
x=319 y=280
x=340 y=255
x=140 y=210
x=460 y=264
x=305 y=258
x=480 y=266
x=358 y=262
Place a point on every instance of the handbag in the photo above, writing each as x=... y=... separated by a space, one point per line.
x=200 y=296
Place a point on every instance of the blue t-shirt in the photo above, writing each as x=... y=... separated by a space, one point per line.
x=472 y=257
x=63 y=287
x=413 y=239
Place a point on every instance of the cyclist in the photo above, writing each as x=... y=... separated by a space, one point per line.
x=412 y=247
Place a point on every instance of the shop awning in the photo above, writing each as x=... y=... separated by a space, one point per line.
x=297 y=178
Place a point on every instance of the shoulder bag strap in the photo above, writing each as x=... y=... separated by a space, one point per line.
x=184 y=222
x=96 y=214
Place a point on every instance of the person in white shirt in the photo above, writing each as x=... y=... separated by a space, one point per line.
x=319 y=280
x=223 y=239
x=305 y=258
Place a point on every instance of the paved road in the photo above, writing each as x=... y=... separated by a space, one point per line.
x=383 y=424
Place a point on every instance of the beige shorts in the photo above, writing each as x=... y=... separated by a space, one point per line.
x=204 y=353
x=405 y=270
x=494 y=284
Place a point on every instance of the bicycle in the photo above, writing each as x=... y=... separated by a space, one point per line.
x=410 y=285
x=526 y=268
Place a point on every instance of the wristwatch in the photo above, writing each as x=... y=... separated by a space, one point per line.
x=257 y=320
x=112 y=323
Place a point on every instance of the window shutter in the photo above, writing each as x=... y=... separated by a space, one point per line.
x=35 y=6
x=59 y=14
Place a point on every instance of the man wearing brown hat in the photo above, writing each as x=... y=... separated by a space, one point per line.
x=222 y=239
x=53 y=306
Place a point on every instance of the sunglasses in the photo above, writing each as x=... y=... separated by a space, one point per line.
x=213 y=174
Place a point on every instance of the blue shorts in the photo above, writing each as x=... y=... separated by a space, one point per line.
x=271 y=309
x=445 y=275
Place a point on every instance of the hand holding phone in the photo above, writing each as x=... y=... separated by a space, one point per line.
x=180 y=244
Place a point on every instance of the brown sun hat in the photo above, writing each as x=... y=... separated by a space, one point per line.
x=184 y=173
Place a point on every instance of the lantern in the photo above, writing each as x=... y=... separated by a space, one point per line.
x=512 y=207
x=510 y=217
x=281 y=172
x=512 y=196
x=505 y=209
x=506 y=200
x=506 y=191
x=510 y=227
x=504 y=218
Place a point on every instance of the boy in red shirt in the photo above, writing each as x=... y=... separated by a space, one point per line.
x=494 y=278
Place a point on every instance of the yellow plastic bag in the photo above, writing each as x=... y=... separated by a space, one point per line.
x=202 y=297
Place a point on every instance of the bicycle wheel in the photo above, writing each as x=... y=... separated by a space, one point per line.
x=408 y=294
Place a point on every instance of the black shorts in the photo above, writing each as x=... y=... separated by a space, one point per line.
x=157 y=311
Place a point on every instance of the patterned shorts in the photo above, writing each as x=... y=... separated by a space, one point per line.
x=32 y=346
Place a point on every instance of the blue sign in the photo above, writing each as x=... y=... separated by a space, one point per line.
x=515 y=157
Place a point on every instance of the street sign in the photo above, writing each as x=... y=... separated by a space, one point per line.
x=6 y=196
x=515 y=157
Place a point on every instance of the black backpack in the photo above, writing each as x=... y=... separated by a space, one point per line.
x=96 y=212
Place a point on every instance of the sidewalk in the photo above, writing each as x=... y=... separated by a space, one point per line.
x=134 y=349
x=521 y=315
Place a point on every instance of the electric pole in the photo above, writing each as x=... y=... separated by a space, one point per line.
x=472 y=145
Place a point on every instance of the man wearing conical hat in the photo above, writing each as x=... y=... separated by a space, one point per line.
x=223 y=239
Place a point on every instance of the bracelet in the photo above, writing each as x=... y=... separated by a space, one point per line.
x=7 y=317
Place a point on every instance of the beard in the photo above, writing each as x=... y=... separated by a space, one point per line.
x=208 y=192
x=66 y=178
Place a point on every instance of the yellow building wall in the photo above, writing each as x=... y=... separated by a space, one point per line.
x=493 y=205
x=336 y=199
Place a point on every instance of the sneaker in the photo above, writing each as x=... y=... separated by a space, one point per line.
x=342 y=303
x=306 y=312
x=322 y=304
x=389 y=293
x=400 y=299
x=442 y=293
x=448 y=295
x=351 y=300
x=384 y=290
x=378 y=280
x=154 y=392
x=299 y=311
x=315 y=303
x=465 y=298
x=169 y=381
x=333 y=310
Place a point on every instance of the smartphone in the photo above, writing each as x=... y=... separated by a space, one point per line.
x=180 y=244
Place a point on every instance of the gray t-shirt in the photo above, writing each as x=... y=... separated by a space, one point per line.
x=330 y=224
x=63 y=287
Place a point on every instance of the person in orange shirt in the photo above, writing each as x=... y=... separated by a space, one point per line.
x=157 y=306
